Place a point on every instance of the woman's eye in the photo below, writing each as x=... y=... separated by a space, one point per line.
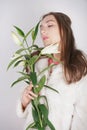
x=50 y=25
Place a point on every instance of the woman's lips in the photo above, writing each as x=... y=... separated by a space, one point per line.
x=45 y=38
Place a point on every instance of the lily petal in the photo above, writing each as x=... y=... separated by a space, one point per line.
x=51 y=49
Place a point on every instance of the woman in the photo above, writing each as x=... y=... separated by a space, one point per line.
x=68 y=109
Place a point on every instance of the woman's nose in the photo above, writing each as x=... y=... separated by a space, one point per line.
x=43 y=31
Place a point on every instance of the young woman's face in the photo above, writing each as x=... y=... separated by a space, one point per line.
x=49 y=30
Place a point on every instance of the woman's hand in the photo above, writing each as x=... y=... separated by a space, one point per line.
x=27 y=96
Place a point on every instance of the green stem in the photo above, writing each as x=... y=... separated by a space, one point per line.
x=33 y=66
x=33 y=42
x=36 y=105
x=39 y=118
x=24 y=49
x=24 y=40
x=27 y=45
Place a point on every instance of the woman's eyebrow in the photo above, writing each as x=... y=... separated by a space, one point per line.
x=50 y=21
x=47 y=22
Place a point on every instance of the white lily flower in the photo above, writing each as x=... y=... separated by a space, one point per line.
x=51 y=49
x=16 y=39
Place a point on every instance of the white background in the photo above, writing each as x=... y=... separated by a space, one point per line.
x=25 y=14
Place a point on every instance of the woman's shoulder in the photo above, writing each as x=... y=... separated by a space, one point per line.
x=83 y=81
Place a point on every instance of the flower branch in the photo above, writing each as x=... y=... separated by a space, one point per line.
x=28 y=56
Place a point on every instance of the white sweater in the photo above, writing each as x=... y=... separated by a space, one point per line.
x=68 y=109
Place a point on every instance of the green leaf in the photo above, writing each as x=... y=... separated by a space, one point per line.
x=32 y=48
x=44 y=99
x=33 y=60
x=27 y=57
x=13 y=61
x=35 y=46
x=51 y=88
x=33 y=77
x=28 y=33
x=43 y=110
x=51 y=56
x=50 y=125
x=17 y=63
x=32 y=125
x=20 y=50
x=35 y=105
x=20 y=32
x=35 y=115
x=34 y=32
x=35 y=126
x=39 y=128
x=48 y=67
x=42 y=81
x=41 y=84
x=27 y=82
x=19 y=80
x=24 y=74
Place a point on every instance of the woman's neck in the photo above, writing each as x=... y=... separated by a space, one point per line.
x=57 y=57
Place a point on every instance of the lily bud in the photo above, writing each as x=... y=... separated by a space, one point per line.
x=16 y=39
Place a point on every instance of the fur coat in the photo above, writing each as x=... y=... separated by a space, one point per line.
x=68 y=109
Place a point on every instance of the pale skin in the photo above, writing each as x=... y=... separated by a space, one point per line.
x=50 y=34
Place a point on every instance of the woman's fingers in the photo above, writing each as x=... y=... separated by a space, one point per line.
x=32 y=94
x=29 y=87
x=29 y=93
x=30 y=97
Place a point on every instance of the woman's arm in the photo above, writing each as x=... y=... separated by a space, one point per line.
x=79 y=121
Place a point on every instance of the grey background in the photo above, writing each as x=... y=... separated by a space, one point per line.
x=25 y=14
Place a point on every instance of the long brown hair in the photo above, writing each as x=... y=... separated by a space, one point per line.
x=75 y=61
